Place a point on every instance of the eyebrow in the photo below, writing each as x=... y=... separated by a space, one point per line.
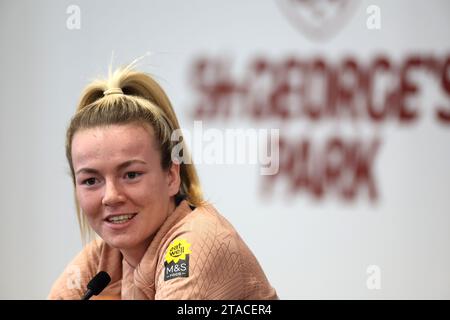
x=119 y=167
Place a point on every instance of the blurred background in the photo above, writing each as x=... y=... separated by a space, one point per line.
x=359 y=91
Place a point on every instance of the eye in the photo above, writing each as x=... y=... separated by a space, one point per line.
x=132 y=175
x=89 y=182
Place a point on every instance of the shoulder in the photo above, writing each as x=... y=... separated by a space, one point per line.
x=204 y=257
x=200 y=258
x=205 y=229
x=70 y=283
x=94 y=256
x=205 y=221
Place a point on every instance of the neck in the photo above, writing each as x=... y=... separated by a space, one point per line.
x=134 y=255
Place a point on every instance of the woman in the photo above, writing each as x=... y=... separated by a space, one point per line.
x=159 y=238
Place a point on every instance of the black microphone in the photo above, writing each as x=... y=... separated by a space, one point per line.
x=97 y=284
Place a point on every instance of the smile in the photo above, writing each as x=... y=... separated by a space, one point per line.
x=118 y=219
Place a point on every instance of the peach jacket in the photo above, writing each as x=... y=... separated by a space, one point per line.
x=196 y=254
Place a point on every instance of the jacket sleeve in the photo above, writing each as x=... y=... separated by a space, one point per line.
x=209 y=265
x=72 y=283
x=218 y=265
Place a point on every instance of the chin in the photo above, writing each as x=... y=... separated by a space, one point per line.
x=121 y=241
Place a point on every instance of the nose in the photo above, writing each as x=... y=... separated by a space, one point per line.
x=113 y=194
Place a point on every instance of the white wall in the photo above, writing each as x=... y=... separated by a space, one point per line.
x=308 y=249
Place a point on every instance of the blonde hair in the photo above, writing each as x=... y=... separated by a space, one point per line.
x=128 y=96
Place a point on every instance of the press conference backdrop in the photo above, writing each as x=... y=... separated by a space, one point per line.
x=359 y=92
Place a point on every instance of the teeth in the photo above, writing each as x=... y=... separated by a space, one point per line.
x=120 y=219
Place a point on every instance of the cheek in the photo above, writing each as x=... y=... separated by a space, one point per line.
x=89 y=201
x=160 y=184
x=144 y=192
x=151 y=189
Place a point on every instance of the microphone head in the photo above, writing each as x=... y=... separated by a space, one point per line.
x=99 y=282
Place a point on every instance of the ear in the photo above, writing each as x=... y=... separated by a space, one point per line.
x=173 y=179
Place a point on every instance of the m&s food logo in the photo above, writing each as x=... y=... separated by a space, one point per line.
x=176 y=262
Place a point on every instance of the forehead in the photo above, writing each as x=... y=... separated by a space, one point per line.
x=113 y=142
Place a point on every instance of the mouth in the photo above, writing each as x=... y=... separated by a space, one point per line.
x=120 y=218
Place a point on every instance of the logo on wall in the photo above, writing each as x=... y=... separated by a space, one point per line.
x=331 y=113
x=318 y=19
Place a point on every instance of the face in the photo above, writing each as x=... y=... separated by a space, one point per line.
x=120 y=184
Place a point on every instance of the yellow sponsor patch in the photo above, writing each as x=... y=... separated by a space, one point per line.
x=177 y=250
x=177 y=259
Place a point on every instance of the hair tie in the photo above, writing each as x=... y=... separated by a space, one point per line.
x=112 y=91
